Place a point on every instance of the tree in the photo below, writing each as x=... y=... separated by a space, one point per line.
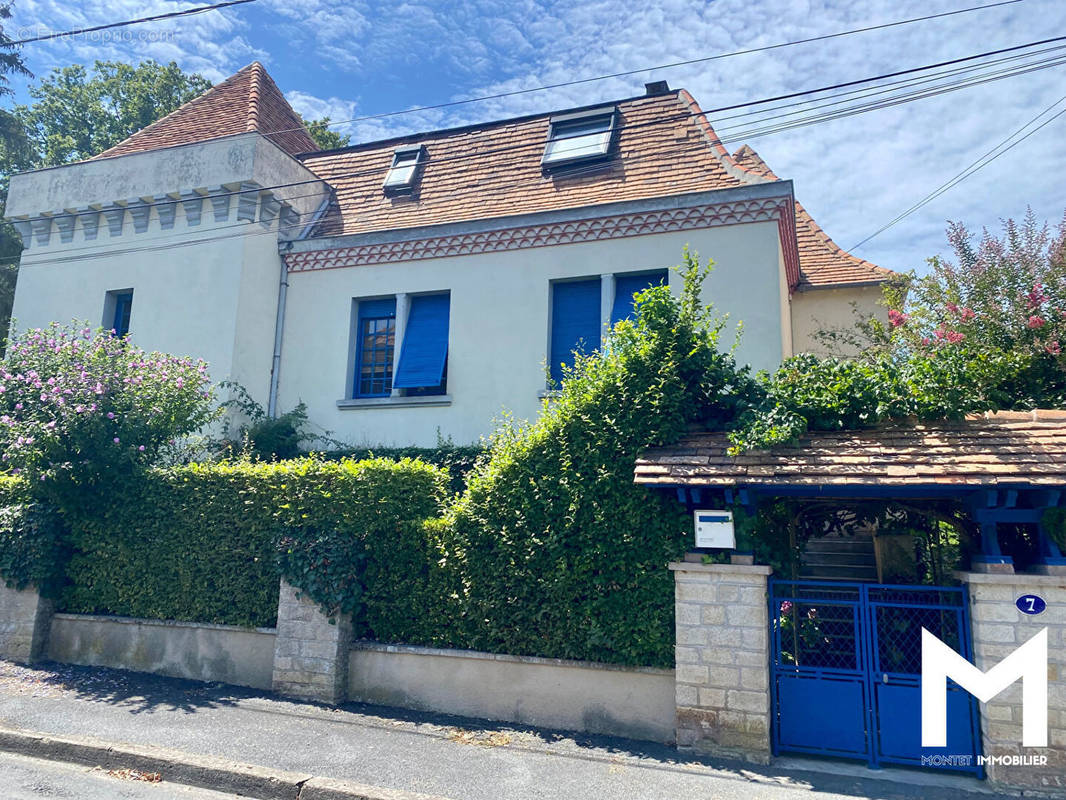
x=325 y=138
x=13 y=147
x=77 y=114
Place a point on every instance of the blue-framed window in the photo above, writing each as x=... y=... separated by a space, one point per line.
x=422 y=369
x=575 y=322
x=628 y=284
x=375 y=347
x=122 y=308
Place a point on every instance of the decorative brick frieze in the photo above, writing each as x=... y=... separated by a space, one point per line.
x=556 y=233
x=722 y=673
x=311 y=650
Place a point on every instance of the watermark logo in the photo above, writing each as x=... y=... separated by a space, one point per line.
x=1028 y=662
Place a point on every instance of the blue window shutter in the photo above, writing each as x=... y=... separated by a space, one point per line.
x=425 y=343
x=575 y=321
x=123 y=308
x=625 y=286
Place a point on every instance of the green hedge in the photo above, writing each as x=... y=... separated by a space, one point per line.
x=456 y=460
x=32 y=547
x=201 y=543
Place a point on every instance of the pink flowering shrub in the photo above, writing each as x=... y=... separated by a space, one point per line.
x=78 y=406
x=998 y=296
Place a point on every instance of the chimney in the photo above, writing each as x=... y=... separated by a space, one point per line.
x=656 y=87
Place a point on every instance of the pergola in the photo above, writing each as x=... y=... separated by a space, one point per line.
x=1002 y=468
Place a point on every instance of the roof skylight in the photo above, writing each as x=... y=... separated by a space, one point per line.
x=404 y=170
x=579 y=137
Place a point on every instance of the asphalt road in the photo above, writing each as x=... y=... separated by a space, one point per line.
x=23 y=778
x=462 y=759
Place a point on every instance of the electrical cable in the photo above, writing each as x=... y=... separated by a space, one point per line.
x=170 y=15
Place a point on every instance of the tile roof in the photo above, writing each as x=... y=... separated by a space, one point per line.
x=494 y=170
x=246 y=101
x=822 y=261
x=1004 y=448
x=665 y=146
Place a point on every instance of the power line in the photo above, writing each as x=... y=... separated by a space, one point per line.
x=483 y=190
x=975 y=166
x=672 y=65
x=171 y=15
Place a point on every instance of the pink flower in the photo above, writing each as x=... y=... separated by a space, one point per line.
x=967 y=315
x=1036 y=322
x=115 y=440
x=1054 y=348
x=141 y=448
x=896 y=318
x=1036 y=297
x=926 y=341
x=110 y=414
x=954 y=337
x=954 y=309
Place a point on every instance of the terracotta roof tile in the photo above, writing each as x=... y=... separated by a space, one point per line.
x=1007 y=447
x=822 y=261
x=494 y=170
x=244 y=102
x=664 y=146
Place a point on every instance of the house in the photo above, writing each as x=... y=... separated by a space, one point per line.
x=417 y=287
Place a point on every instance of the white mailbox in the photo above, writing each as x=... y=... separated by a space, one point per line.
x=715 y=529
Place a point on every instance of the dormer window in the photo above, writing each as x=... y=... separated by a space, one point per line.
x=580 y=137
x=404 y=170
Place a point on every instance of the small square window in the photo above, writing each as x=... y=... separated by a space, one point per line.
x=581 y=137
x=403 y=173
x=118 y=308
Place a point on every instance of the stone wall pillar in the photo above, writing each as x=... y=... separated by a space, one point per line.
x=311 y=650
x=998 y=628
x=25 y=618
x=722 y=660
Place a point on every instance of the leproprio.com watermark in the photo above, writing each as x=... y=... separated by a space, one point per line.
x=45 y=33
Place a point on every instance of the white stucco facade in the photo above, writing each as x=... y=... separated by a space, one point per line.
x=210 y=239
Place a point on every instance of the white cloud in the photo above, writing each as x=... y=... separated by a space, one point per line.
x=311 y=107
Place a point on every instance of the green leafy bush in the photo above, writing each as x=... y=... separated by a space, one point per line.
x=31 y=540
x=80 y=410
x=456 y=460
x=558 y=552
x=207 y=543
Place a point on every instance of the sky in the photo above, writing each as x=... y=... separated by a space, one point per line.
x=353 y=59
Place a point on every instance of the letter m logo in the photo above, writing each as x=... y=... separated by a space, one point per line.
x=1028 y=662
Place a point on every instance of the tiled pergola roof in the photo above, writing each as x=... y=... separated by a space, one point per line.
x=1002 y=449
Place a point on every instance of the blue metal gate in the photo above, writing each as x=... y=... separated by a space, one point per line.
x=846 y=670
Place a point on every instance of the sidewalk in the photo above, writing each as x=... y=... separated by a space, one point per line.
x=460 y=759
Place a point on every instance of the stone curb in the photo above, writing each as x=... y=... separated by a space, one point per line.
x=205 y=772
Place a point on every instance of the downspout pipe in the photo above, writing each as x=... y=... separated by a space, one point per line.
x=279 y=333
x=283 y=293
